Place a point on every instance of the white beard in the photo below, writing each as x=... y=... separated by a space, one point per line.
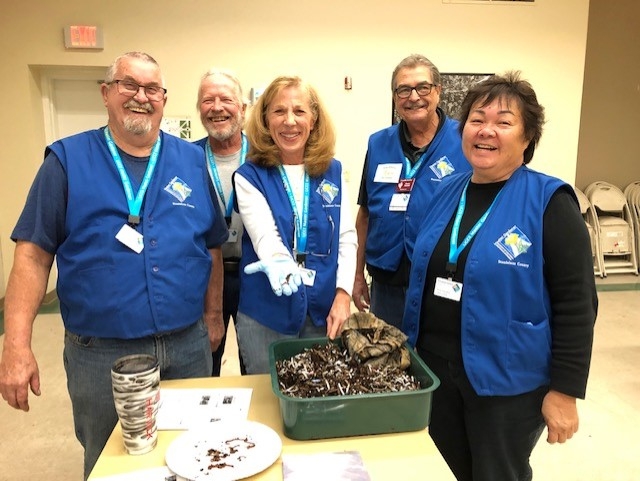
x=137 y=126
x=226 y=133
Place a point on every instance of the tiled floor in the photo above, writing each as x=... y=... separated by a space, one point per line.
x=41 y=445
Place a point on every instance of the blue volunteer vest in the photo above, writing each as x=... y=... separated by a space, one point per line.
x=287 y=314
x=506 y=312
x=389 y=233
x=105 y=288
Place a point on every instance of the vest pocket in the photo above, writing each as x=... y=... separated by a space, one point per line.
x=196 y=278
x=101 y=283
x=528 y=345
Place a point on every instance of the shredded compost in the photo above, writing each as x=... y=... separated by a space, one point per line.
x=328 y=370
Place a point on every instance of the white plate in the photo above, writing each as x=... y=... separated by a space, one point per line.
x=242 y=449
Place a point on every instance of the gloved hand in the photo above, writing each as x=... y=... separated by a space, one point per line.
x=283 y=273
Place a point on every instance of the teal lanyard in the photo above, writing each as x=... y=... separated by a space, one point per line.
x=302 y=220
x=454 y=251
x=213 y=170
x=412 y=171
x=134 y=203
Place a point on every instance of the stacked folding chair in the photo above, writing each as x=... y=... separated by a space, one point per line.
x=590 y=219
x=632 y=193
x=615 y=226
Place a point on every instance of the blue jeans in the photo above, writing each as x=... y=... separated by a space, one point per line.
x=254 y=340
x=387 y=302
x=87 y=360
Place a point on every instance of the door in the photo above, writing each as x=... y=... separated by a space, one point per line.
x=72 y=103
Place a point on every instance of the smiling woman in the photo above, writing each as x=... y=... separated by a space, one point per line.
x=525 y=353
x=291 y=118
x=291 y=196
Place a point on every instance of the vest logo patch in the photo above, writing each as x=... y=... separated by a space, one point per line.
x=179 y=189
x=328 y=190
x=442 y=167
x=513 y=243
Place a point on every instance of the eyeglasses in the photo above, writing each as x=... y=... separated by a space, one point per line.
x=423 y=89
x=131 y=89
x=319 y=251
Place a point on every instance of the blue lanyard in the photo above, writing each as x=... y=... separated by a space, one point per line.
x=302 y=221
x=454 y=251
x=213 y=170
x=412 y=171
x=134 y=203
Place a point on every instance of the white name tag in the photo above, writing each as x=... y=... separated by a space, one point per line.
x=233 y=235
x=308 y=276
x=388 y=173
x=399 y=202
x=131 y=238
x=448 y=289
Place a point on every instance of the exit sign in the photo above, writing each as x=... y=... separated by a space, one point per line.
x=83 y=36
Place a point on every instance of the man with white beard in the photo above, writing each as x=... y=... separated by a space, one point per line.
x=130 y=216
x=222 y=111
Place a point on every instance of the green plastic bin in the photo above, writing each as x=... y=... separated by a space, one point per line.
x=351 y=415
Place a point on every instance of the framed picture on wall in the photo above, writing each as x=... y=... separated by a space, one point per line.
x=454 y=88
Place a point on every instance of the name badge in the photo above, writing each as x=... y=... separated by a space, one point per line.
x=399 y=202
x=405 y=185
x=448 y=289
x=308 y=276
x=388 y=173
x=233 y=236
x=131 y=238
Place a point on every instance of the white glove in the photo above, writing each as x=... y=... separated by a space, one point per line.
x=283 y=273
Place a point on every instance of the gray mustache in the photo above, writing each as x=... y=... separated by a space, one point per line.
x=134 y=104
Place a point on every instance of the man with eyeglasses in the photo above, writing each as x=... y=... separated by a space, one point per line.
x=222 y=110
x=129 y=214
x=403 y=166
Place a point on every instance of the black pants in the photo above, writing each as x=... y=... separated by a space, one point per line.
x=482 y=438
x=230 y=299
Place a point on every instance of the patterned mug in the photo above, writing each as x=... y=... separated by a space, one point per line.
x=136 y=393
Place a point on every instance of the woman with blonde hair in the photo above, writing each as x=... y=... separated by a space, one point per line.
x=299 y=229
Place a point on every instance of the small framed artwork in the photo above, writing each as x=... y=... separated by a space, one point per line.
x=454 y=89
x=180 y=127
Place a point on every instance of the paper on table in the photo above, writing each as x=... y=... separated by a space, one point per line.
x=188 y=408
x=152 y=474
x=336 y=466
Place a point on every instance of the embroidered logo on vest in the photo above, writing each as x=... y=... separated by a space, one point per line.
x=513 y=243
x=328 y=190
x=442 y=167
x=178 y=188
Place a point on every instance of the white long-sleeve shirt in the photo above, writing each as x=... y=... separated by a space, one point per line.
x=260 y=225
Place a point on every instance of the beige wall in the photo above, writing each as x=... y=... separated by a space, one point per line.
x=610 y=120
x=321 y=41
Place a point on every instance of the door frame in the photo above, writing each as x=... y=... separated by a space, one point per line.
x=48 y=75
